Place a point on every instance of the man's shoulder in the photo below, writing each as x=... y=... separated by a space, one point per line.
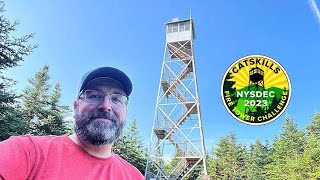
x=28 y=139
x=122 y=163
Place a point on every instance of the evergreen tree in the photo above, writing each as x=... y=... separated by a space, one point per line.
x=41 y=108
x=310 y=159
x=12 y=123
x=286 y=153
x=56 y=113
x=311 y=154
x=314 y=127
x=12 y=52
x=229 y=159
x=36 y=96
x=258 y=159
x=130 y=147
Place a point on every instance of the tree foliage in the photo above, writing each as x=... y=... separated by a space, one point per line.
x=258 y=159
x=41 y=107
x=294 y=154
x=229 y=159
x=13 y=50
x=286 y=152
x=311 y=154
x=130 y=147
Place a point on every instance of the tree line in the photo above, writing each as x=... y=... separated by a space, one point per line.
x=294 y=154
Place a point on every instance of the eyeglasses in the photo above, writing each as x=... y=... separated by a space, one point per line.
x=96 y=97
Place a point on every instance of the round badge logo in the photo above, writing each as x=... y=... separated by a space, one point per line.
x=256 y=89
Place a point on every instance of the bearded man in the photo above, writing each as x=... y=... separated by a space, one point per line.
x=100 y=115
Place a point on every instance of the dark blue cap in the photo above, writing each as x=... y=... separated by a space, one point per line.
x=107 y=72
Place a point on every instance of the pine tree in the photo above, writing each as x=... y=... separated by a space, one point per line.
x=314 y=127
x=310 y=160
x=229 y=159
x=12 y=123
x=258 y=159
x=12 y=52
x=56 y=113
x=138 y=156
x=41 y=108
x=286 y=153
x=130 y=147
x=311 y=154
x=36 y=96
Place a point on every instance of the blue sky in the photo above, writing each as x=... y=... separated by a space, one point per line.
x=76 y=36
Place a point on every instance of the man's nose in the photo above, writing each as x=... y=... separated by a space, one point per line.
x=106 y=104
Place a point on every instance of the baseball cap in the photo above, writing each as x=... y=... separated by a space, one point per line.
x=106 y=72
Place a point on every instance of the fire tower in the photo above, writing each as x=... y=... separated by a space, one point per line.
x=177 y=149
x=256 y=83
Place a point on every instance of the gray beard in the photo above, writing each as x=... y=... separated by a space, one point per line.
x=96 y=132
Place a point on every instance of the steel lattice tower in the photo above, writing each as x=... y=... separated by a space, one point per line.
x=177 y=149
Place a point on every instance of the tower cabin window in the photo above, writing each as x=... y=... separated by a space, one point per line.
x=169 y=28
x=187 y=26
x=181 y=26
x=174 y=27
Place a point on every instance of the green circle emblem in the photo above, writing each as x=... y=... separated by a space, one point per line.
x=256 y=89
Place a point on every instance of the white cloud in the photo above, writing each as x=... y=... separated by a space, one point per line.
x=315 y=8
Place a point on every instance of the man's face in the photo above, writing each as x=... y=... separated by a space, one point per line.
x=100 y=123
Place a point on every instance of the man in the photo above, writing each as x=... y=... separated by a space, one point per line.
x=100 y=115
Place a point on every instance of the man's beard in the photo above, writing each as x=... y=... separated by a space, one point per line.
x=91 y=130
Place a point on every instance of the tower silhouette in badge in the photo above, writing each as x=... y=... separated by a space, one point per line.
x=256 y=83
x=177 y=148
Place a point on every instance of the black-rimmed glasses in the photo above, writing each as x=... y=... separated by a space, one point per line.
x=96 y=97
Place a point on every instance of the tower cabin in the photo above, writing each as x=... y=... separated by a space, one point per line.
x=179 y=30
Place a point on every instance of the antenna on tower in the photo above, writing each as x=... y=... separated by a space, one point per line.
x=190 y=8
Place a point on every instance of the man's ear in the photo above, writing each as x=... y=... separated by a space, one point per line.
x=75 y=105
